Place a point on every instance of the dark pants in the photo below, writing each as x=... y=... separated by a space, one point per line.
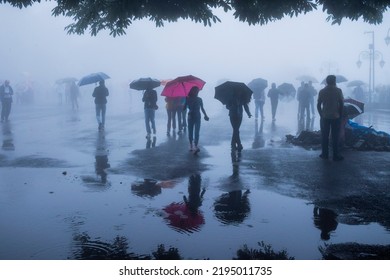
x=171 y=113
x=5 y=109
x=235 y=121
x=259 y=107
x=193 y=129
x=330 y=126
x=274 y=106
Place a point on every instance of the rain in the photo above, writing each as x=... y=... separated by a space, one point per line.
x=70 y=189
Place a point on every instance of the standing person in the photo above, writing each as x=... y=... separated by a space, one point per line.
x=182 y=112
x=194 y=104
x=171 y=113
x=236 y=108
x=100 y=93
x=259 y=97
x=313 y=93
x=273 y=94
x=74 y=95
x=330 y=108
x=150 y=105
x=304 y=99
x=6 y=93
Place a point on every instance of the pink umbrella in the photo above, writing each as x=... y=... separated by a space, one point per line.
x=180 y=86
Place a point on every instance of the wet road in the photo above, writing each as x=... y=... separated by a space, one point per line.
x=68 y=191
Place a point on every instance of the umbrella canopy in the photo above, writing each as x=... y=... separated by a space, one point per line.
x=307 y=78
x=93 y=78
x=288 y=91
x=181 y=86
x=353 y=107
x=144 y=83
x=355 y=83
x=229 y=90
x=66 y=80
x=258 y=84
x=339 y=79
x=182 y=219
x=232 y=207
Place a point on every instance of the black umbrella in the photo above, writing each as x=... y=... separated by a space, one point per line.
x=144 y=83
x=229 y=90
x=288 y=91
x=307 y=78
x=258 y=84
x=339 y=79
x=355 y=83
x=66 y=80
x=93 y=78
x=353 y=108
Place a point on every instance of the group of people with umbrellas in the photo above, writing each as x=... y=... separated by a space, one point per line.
x=184 y=90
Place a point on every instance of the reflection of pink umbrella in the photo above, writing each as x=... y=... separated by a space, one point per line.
x=182 y=219
x=180 y=86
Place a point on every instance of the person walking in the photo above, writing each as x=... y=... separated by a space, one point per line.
x=171 y=113
x=194 y=104
x=236 y=108
x=6 y=93
x=330 y=105
x=150 y=106
x=273 y=94
x=259 y=97
x=100 y=93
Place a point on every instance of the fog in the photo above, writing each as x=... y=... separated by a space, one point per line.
x=36 y=47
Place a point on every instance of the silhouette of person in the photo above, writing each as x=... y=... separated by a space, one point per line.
x=101 y=157
x=100 y=93
x=259 y=98
x=74 y=95
x=232 y=207
x=195 y=193
x=6 y=93
x=304 y=99
x=274 y=94
x=330 y=108
x=236 y=108
x=150 y=104
x=171 y=113
x=194 y=104
x=325 y=220
x=313 y=93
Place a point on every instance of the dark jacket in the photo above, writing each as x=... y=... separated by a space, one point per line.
x=6 y=96
x=100 y=93
x=150 y=99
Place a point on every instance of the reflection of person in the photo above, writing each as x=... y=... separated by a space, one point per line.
x=101 y=157
x=274 y=94
x=150 y=105
x=330 y=108
x=6 y=93
x=8 y=141
x=74 y=95
x=259 y=98
x=232 y=207
x=151 y=143
x=100 y=93
x=236 y=108
x=194 y=104
x=258 y=141
x=195 y=195
x=325 y=220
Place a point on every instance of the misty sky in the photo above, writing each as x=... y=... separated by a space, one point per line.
x=34 y=43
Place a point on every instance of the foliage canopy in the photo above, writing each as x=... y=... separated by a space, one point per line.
x=117 y=15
